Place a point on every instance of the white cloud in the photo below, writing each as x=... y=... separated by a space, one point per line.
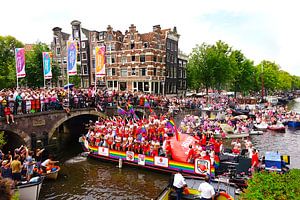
x=262 y=29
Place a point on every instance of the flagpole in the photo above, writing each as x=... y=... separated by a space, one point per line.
x=44 y=71
x=16 y=67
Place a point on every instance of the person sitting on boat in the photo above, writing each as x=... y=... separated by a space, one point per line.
x=207 y=191
x=48 y=164
x=179 y=184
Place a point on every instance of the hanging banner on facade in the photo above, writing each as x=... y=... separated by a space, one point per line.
x=20 y=62
x=100 y=64
x=47 y=62
x=72 y=57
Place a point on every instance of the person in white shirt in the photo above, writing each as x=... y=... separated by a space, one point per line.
x=207 y=190
x=179 y=183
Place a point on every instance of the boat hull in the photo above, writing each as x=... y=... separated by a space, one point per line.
x=280 y=129
x=293 y=124
x=52 y=175
x=29 y=191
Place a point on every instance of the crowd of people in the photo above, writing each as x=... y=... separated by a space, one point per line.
x=23 y=164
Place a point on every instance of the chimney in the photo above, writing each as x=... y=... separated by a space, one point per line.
x=175 y=29
x=156 y=28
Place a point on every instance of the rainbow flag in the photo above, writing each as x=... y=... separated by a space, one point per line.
x=146 y=103
x=217 y=161
x=121 y=111
x=170 y=124
x=212 y=171
x=143 y=130
x=130 y=108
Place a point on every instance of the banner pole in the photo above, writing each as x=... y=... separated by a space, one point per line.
x=44 y=70
x=16 y=68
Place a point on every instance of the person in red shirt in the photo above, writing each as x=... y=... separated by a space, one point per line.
x=191 y=154
x=217 y=147
x=203 y=140
x=168 y=150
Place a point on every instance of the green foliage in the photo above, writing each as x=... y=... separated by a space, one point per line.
x=2 y=139
x=273 y=186
x=16 y=196
x=75 y=80
x=34 y=65
x=7 y=61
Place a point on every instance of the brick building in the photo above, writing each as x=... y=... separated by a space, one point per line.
x=135 y=61
x=181 y=73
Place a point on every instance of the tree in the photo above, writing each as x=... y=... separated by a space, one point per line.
x=7 y=61
x=284 y=81
x=34 y=65
x=268 y=72
x=242 y=72
x=2 y=139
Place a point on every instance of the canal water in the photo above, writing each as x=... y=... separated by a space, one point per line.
x=89 y=179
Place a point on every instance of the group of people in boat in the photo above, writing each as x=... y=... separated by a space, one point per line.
x=23 y=164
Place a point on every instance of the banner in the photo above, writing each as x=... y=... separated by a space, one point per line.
x=47 y=61
x=20 y=62
x=202 y=167
x=72 y=57
x=100 y=61
x=130 y=155
x=161 y=161
x=141 y=159
x=103 y=151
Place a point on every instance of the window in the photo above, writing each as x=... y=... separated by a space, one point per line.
x=132 y=46
x=101 y=37
x=84 y=69
x=78 y=57
x=58 y=51
x=146 y=86
x=82 y=45
x=134 y=84
x=124 y=59
x=111 y=71
x=168 y=45
x=110 y=84
x=112 y=47
x=124 y=72
x=133 y=73
x=143 y=72
x=94 y=64
x=132 y=58
x=109 y=37
x=108 y=47
x=108 y=59
x=154 y=72
x=84 y=56
x=175 y=73
x=168 y=57
x=175 y=59
x=113 y=59
x=142 y=58
x=154 y=58
x=131 y=36
x=145 y=45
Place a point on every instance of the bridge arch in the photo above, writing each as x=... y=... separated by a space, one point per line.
x=71 y=116
x=14 y=139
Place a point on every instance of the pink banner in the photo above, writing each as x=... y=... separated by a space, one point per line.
x=20 y=62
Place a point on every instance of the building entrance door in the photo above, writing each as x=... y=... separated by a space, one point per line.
x=123 y=86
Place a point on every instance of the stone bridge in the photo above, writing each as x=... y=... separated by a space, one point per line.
x=42 y=122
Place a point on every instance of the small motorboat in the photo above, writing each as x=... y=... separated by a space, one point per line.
x=261 y=126
x=277 y=127
x=30 y=190
x=256 y=132
x=293 y=124
x=52 y=174
x=224 y=191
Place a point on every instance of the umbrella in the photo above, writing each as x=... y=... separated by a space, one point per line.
x=69 y=85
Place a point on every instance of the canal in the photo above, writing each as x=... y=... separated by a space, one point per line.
x=82 y=178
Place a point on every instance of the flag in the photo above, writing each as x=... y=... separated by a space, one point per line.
x=170 y=124
x=216 y=161
x=72 y=57
x=130 y=108
x=121 y=111
x=20 y=62
x=177 y=136
x=146 y=103
x=47 y=61
x=100 y=61
x=143 y=130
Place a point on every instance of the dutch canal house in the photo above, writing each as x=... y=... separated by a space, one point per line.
x=148 y=62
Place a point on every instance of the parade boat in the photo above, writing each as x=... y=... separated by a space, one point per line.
x=31 y=189
x=158 y=163
x=224 y=191
x=261 y=126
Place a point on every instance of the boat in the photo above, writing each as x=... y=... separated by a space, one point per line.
x=256 y=132
x=261 y=126
x=52 y=175
x=293 y=124
x=233 y=136
x=277 y=128
x=224 y=191
x=31 y=189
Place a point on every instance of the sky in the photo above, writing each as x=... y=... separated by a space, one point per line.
x=261 y=29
